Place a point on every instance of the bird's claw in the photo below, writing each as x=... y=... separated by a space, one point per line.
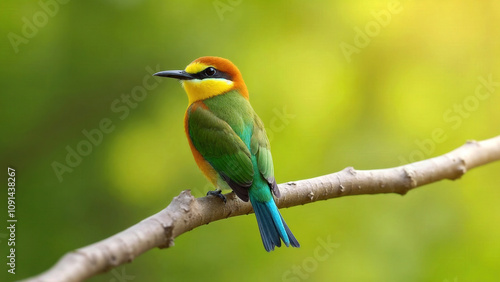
x=217 y=193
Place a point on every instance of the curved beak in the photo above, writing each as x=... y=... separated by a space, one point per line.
x=177 y=74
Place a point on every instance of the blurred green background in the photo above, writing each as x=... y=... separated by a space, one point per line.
x=361 y=83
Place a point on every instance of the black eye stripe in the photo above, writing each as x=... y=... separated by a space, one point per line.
x=218 y=74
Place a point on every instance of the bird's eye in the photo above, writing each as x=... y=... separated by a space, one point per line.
x=210 y=71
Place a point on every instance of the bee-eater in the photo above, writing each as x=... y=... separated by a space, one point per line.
x=229 y=142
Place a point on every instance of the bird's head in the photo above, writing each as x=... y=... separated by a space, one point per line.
x=206 y=77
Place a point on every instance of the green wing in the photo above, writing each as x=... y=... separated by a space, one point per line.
x=222 y=148
x=262 y=150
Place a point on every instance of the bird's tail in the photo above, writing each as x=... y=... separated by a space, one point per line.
x=272 y=227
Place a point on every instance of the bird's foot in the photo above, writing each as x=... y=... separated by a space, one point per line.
x=217 y=193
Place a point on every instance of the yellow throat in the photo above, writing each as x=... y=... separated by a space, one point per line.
x=198 y=90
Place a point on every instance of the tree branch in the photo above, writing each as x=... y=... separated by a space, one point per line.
x=186 y=212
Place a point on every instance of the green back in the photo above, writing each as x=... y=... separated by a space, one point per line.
x=231 y=137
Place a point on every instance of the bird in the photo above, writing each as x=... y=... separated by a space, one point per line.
x=229 y=142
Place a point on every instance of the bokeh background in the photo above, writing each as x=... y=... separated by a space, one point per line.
x=337 y=83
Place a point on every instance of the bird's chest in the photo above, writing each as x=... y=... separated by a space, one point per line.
x=236 y=111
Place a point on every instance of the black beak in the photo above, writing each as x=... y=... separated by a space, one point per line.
x=178 y=74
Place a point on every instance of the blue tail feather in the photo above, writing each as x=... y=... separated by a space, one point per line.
x=272 y=227
x=293 y=240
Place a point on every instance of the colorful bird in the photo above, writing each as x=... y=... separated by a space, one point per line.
x=229 y=142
